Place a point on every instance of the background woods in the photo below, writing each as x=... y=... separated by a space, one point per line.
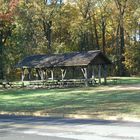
x=57 y=26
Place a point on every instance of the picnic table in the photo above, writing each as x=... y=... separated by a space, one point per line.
x=4 y=84
x=114 y=80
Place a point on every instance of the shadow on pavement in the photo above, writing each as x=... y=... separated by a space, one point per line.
x=57 y=121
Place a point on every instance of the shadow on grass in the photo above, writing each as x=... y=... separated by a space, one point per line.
x=71 y=101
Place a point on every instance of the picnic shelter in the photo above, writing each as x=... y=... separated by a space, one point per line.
x=64 y=67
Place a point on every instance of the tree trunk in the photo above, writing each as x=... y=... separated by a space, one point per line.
x=1 y=55
x=139 y=30
x=122 y=46
x=92 y=33
x=117 y=60
x=121 y=6
x=103 y=35
x=96 y=33
x=48 y=32
x=1 y=61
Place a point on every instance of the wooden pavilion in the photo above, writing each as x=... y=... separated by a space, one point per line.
x=86 y=62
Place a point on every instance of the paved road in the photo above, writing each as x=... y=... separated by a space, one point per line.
x=34 y=128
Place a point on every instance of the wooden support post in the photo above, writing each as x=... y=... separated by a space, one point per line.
x=29 y=74
x=22 y=74
x=85 y=73
x=105 y=74
x=93 y=73
x=41 y=73
x=38 y=74
x=63 y=72
x=45 y=74
x=52 y=74
x=99 y=73
x=73 y=72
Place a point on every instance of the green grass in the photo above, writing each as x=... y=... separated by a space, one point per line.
x=100 y=100
x=89 y=101
x=124 y=80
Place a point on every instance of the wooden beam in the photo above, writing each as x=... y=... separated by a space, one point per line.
x=85 y=73
x=63 y=72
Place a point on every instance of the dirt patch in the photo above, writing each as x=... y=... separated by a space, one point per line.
x=126 y=87
x=119 y=87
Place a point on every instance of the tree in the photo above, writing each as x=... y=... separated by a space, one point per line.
x=5 y=29
x=43 y=27
x=121 y=6
x=132 y=59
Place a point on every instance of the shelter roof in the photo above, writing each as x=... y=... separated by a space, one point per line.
x=64 y=60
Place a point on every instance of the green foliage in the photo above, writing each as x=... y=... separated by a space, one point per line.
x=132 y=59
x=81 y=26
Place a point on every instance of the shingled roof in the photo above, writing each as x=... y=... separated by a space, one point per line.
x=64 y=60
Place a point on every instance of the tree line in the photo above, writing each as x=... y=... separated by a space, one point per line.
x=41 y=26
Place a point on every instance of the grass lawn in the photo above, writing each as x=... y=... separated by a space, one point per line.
x=125 y=80
x=102 y=100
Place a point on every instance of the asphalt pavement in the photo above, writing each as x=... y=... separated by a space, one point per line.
x=44 y=128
